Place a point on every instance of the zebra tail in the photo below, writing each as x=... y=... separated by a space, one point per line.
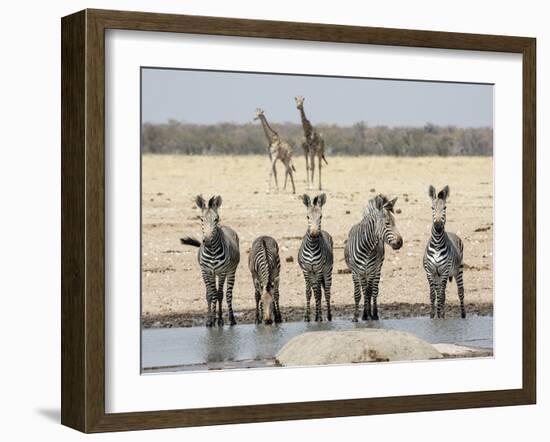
x=188 y=241
x=293 y=168
x=325 y=160
x=450 y=279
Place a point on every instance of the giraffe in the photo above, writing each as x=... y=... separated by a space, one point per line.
x=278 y=150
x=313 y=144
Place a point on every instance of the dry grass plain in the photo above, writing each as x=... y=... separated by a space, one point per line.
x=173 y=293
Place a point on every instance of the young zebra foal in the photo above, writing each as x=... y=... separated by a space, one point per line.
x=218 y=258
x=443 y=258
x=315 y=258
x=364 y=252
x=265 y=265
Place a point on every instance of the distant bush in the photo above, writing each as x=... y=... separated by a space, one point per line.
x=359 y=139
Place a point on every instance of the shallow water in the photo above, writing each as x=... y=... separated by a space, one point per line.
x=204 y=348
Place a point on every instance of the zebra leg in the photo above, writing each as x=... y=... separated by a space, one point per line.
x=460 y=286
x=373 y=287
x=432 y=296
x=367 y=297
x=356 y=295
x=278 y=317
x=286 y=177
x=327 y=285
x=308 y=298
x=229 y=297
x=211 y=297
x=318 y=296
x=441 y=297
x=221 y=281
x=257 y=297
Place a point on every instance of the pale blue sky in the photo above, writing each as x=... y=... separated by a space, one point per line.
x=207 y=97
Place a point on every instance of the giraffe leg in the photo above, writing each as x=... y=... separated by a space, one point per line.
x=307 y=166
x=312 y=167
x=273 y=174
x=320 y=166
x=292 y=181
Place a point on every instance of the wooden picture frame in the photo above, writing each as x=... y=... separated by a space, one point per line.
x=83 y=220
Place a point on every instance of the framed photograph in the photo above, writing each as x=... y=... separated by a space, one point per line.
x=266 y=221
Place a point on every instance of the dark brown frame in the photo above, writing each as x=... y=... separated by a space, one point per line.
x=83 y=216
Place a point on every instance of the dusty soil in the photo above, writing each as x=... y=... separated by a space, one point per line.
x=173 y=291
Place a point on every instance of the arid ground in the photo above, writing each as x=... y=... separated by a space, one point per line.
x=173 y=291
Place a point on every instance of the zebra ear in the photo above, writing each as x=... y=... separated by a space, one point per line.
x=444 y=193
x=199 y=201
x=431 y=192
x=389 y=205
x=215 y=202
x=306 y=200
x=379 y=202
x=320 y=200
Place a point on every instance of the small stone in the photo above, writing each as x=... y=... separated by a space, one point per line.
x=289 y=259
x=373 y=190
x=347 y=212
x=398 y=211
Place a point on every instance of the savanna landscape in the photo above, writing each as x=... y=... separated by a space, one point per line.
x=173 y=293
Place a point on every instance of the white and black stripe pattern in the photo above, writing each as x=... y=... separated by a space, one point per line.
x=315 y=258
x=443 y=258
x=218 y=258
x=364 y=252
x=265 y=266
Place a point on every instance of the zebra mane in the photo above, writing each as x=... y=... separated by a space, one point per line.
x=372 y=208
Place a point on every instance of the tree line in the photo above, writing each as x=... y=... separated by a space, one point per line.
x=177 y=137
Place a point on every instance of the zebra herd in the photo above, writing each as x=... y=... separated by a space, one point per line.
x=219 y=257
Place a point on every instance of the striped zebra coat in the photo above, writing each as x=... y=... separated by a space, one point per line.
x=218 y=258
x=364 y=252
x=265 y=266
x=315 y=258
x=443 y=258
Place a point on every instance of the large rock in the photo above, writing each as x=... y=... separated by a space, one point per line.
x=460 y=351
x=362 y=345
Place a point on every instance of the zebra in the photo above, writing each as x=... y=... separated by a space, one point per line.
x=265 y=266
x=444 y=256
x=364 y=252
x=315 y=258
x=218 y=258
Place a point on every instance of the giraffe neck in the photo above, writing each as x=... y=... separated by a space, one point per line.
x=305 y=123
x=270 y=134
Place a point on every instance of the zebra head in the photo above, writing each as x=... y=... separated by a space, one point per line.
x=389 y=231
x=439 y=207
x=299 y=102
x=209 y=216
x=314 y=213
